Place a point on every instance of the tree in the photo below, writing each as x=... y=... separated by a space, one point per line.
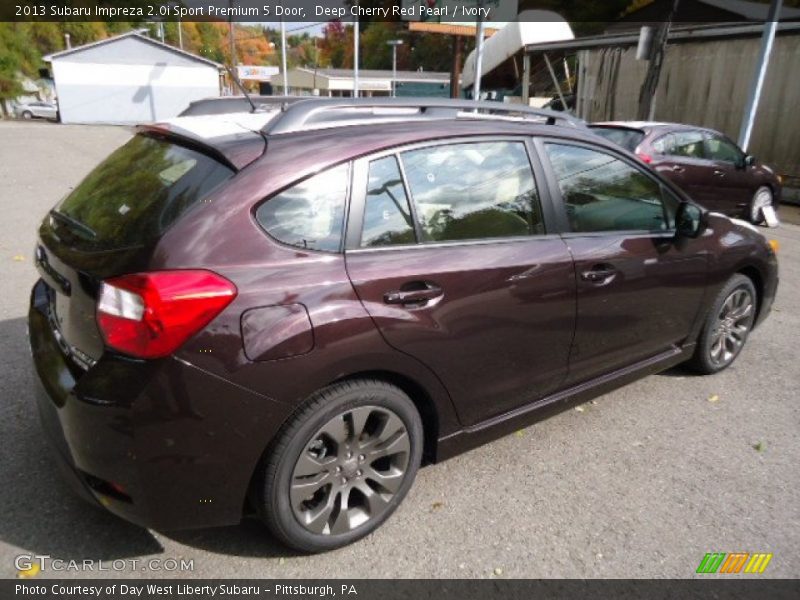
x=336 y=46
x=376 y=52
x=46 y=37
x=211 y=40
x=17 y=58
x=85 y=32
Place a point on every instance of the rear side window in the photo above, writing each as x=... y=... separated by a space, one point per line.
x=137 y=193
x=473 y=191
x=689 y=144
x=310 y=214
x=622 y=136
x=604 y=193
x=664 y=144
x=387 y=217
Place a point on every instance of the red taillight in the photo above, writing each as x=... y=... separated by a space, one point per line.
x=148 y=315
x=645 y=158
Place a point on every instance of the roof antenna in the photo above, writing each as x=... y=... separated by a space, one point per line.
x=241 y=87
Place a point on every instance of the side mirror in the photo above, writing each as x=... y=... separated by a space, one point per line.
x=749 y=160
x=689 y=220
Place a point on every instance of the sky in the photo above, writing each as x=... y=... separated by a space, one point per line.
x=314 y=29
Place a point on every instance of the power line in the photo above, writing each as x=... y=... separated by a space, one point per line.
x=309 y=26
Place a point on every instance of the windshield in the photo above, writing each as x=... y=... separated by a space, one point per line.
x=622 y=136
x=137 y=193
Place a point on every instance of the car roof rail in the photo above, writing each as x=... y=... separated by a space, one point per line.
x=221 y=105
x=324 y=113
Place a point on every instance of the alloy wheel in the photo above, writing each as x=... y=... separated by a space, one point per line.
x=733 y=324
x=350 y=470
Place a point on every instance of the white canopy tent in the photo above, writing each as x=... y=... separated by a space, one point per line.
x=533 y=27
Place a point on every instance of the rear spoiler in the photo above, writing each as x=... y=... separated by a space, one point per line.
x=235 y=151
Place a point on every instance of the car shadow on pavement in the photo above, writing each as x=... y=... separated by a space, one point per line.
x=679 y=371
x=39 y=513
x=249 y=539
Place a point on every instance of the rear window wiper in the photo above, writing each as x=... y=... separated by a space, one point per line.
x=74 y=223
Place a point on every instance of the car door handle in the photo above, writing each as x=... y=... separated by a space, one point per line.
x=678 y=168
x=719 y=173
x=599 y=274
x=415 y=292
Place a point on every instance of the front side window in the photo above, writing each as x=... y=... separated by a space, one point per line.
x=387 y=217
x=473 y=191
x=310 y=214
x=689 y=144
x=719 y=148
x=604 y=193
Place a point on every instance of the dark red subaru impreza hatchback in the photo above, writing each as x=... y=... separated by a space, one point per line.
x=286 y=312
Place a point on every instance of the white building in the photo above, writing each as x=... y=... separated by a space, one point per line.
x=129 y=79
x=340 y=82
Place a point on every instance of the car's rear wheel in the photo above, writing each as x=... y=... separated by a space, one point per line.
x=727 y=326
x=341 y=466
x=27 y=115
x=761 y=199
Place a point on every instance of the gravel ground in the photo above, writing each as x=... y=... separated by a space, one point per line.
x=641 y=483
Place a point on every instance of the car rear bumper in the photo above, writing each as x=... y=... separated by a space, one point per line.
x=162 y=444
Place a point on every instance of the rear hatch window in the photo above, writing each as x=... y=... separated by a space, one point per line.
x=622 y=136
x=133 y=196
x=108 y=225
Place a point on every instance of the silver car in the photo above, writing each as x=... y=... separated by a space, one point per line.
x=41 y=110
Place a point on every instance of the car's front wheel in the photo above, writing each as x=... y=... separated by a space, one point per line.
x=341 y=466
x=727 y=326
x=27 y=115
x=761 y=199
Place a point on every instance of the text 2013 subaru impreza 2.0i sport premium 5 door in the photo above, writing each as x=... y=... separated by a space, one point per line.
x=284 y=313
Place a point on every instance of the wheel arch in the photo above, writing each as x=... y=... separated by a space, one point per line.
x=754 y=275
x=421 y=398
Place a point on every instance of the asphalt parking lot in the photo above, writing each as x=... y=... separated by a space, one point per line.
x=641 y=483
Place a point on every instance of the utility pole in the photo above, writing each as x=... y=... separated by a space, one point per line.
x=231 y=37
x=455 y=70
x=648 y=92
x=180 y=35
x=767 y=40
x=394 y=44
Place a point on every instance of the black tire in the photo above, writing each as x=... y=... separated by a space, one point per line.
x=717 y=350
x=763 y=197
x=27 y=115
x=304 y=438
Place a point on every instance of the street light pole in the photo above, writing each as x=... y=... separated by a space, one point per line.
x=356 y=36
x=283 y=59
x=476 y=87
x=394 y=44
